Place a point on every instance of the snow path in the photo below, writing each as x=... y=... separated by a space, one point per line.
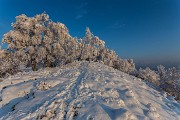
x=83 y=91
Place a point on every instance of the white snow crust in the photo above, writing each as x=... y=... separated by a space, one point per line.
x=83 y=91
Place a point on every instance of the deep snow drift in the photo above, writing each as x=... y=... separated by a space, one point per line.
x=85 y=91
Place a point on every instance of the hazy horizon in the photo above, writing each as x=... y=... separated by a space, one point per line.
x=146 y=31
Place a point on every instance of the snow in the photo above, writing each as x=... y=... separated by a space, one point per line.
x=83 y=91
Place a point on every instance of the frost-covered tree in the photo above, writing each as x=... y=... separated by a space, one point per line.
x=92 y=47
x=126 y=65
x=9 y=63
x=170 y=81
x=149 y=75
x=38 y=37
x=39 y=42
x=161 y=71
x=87 y=46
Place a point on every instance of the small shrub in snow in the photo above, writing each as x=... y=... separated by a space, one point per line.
x=149 y=75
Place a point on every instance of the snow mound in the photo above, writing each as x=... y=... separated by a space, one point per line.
x=83 y=91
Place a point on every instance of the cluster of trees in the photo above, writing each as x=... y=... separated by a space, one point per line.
x=167 y=79
x=170 y=80
x=39 y=42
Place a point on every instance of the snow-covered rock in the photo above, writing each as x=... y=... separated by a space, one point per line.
x=83 y=91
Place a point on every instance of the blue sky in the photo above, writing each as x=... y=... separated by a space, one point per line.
x=146 y=30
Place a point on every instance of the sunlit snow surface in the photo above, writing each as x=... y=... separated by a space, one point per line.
x=83 y=91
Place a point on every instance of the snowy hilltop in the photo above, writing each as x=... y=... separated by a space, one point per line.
x=83 y=91
x=38 y=42
x=45 y=73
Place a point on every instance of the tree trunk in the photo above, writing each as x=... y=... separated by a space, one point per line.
x=34 y=65
x=48 y=64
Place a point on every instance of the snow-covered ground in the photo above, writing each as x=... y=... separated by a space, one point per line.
x=84 y=91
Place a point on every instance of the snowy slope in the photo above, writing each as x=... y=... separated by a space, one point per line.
x=83 y=91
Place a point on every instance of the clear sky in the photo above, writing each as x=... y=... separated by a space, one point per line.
x=146 y=30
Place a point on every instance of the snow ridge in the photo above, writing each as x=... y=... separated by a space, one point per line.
x=83 y=91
